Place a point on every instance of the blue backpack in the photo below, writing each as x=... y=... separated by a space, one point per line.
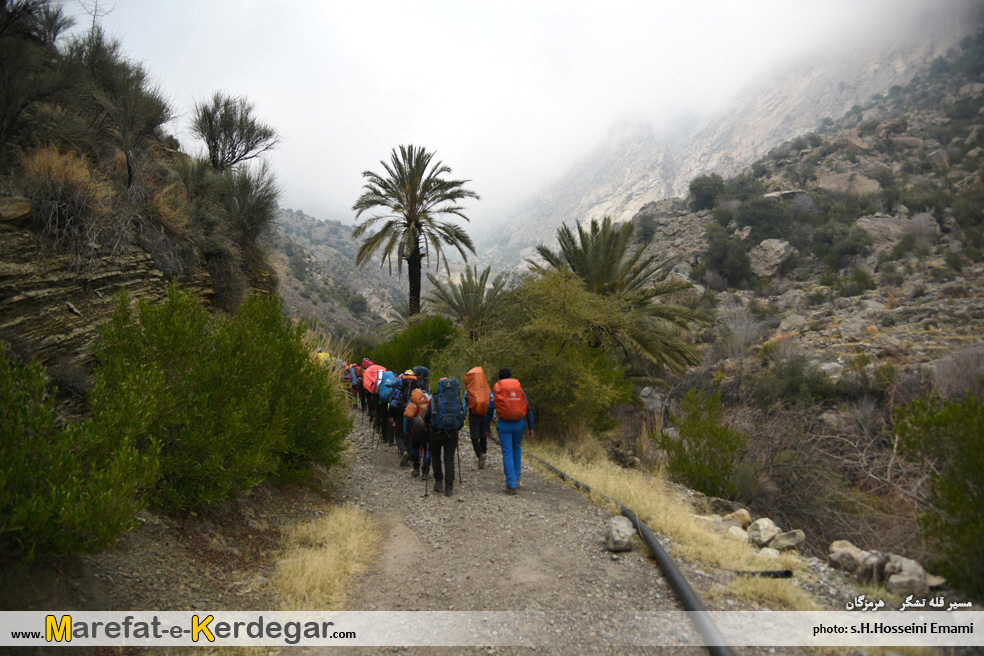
x=422 y=373
x=386 y=386
x=450 y=412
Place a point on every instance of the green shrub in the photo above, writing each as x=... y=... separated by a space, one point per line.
x=954 y=260
x=704 y=190
x=949 y=434
x=790 y=383
x=418 y=344
x=561 y=342
x=857 y=283
x=238 y=399
x=727 y=257
x=71 y=488
x=707 y=450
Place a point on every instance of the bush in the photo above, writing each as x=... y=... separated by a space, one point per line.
x=790 y=383
x=949 y=433
x=71 y=205
x=704 y=190
x=73 y=488
x=417 y=344
x=558 y=338
x=236 y=399
x=707 y=450
x=727 y=257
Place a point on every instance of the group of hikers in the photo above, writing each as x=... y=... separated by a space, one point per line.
x=424 y=426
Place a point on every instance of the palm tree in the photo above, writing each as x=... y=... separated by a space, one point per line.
x=399 y=318
x=470 y=301
x=601 y=258
x=413 y=196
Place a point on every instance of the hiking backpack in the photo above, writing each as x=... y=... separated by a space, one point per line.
x=478 y=391
x=386 y=380
x=417 y=405
x=371 y=377
x=450 y=413
x=402 y=387
x=510 y=401
x=422 y=373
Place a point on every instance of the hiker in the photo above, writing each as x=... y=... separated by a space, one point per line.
x=478 y=400
x=363 y=391
x=513 y=415
x=402 y=388
x=444 y=418
x=384 y=391
x=413 y=427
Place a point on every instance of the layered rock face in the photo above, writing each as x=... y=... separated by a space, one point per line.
x=54 y=312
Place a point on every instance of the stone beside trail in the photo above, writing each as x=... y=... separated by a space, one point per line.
x=483 y=550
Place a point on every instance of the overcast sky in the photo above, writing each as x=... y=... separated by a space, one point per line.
x=509 y=94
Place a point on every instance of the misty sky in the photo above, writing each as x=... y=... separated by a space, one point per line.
x=509 y=94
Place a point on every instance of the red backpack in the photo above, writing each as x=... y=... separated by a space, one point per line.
x=478 y=391
x=510 y=402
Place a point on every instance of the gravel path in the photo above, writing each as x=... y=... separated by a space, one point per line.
x=482 y=549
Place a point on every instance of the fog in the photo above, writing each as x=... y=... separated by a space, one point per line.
x=508 y=94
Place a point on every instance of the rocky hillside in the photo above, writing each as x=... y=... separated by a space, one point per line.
x=632 y=167
x=320 y=281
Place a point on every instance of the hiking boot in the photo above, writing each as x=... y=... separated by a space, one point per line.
x=512 y=491
x=439 y=486
x=415 y=473
x=481 y=461
x=448 y=491
x=405 y=459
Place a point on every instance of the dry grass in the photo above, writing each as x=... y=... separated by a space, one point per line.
x=322 y=557
x=666 y=512
x=168 y=209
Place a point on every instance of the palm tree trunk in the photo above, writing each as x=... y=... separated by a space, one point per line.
x=413 y=271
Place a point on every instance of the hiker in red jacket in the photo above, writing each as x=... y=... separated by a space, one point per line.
x=512 y=410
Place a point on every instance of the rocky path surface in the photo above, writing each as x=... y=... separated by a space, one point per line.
x=484 y=550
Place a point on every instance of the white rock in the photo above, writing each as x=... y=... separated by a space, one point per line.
x=761 y=531
x=619 y=535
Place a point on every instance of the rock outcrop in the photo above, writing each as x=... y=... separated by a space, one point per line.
x=55 y=312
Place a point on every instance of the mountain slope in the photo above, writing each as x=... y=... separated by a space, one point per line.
x=632 y=168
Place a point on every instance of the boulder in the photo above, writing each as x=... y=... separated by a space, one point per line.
x=794 y=299
x=909 y=142
x=761 y=531
x=832 y=369
x=793 y=322
x=768 y=552
x=619 y=535
x=905 y=576
x=849 y=183
x=885 y=230
x=939 y=158
x=853 y=329
x=738 y=533
x=742 y=516
x=767 y=256
x=843 y=555
x=788 y=540
x=888 y=345
x=15 y=208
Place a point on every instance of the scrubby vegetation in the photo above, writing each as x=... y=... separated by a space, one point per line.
x=83 y=134
x=188 y=409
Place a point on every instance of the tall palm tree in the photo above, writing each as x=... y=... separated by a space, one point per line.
x=470 y=301
x=412 y=197
x=602 y=257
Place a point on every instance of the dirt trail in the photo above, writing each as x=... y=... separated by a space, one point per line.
x=485 y=550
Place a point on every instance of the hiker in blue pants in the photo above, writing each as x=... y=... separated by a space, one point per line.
x=513 y=416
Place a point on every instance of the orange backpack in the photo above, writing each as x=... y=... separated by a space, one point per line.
x=478 y=391
x=510 y=402
x=418 y=404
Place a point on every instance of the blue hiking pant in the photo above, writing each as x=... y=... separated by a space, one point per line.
x=511 y=440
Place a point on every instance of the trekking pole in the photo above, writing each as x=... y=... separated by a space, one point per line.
x=458 y=449
x=423 y=464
